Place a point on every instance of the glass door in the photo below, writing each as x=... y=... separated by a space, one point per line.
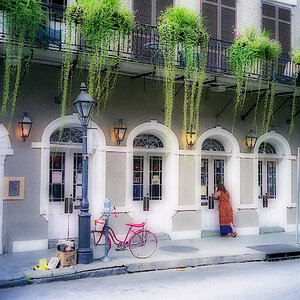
x=65 y=193
x=212 y=174
x=267 y=192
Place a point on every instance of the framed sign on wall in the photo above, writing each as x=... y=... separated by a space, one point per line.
x=14 y=188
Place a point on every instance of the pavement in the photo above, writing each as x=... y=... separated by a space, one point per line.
x=16 y=269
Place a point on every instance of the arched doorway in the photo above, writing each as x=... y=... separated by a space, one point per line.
x=61 y=182
x=217 y=162
x=273 y=181
x=152 y=175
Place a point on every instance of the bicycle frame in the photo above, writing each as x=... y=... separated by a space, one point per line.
x=130 y=233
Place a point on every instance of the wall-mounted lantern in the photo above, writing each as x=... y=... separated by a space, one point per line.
x=25 y=125
x=190 y=137
x=120 y=131
x=250 y=140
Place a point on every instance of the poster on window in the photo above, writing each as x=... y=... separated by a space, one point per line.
x=155 y=179
x=78 y=191
x=57 y=177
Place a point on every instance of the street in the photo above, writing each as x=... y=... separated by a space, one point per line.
x=259 y=280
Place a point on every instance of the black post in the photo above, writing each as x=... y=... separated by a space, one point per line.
x=85 y=252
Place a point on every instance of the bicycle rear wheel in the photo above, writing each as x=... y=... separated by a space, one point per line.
x=99 y=239
x=143 y=244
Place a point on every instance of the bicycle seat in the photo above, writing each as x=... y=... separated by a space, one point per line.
x=136 y=225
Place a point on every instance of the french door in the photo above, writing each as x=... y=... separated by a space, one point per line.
x=267 y=192
x=212 y=174
x=147 y=198
x=65 y=193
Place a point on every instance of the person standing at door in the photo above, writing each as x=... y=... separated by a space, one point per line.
x=227 y=227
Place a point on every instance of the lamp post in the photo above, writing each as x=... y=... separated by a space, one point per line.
x=84 y=105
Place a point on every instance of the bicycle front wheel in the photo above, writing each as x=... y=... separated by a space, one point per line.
x=143 y=244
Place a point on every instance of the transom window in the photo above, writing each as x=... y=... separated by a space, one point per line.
x=212 y=145
x=266 y=148
x=68 y=136
x=149 y=141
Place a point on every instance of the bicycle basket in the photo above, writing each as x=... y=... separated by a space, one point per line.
x=99 y=224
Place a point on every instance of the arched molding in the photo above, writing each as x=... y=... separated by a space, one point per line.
x=97 y=162
x=222 y=135
x=232 y=162
x=96 y=137
x=167 y=136
x=280 y=143
x=170 y=163
x=5 y=149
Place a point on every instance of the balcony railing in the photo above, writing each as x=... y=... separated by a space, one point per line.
x=144 y=46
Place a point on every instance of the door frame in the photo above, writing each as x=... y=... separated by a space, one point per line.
x=97 y=164
x=171 y=158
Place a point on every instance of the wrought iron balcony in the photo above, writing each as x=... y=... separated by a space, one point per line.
x=143 y=46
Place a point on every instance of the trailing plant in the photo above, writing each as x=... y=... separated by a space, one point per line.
x=103 y=24
x=182 y=29
x=296 y=60
x=249 y=49
x=23 y=18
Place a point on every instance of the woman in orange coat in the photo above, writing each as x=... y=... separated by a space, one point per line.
x=225 y=212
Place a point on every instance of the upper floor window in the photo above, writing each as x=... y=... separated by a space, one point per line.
x=148 y=11
x=220 y=18
x=277 y=21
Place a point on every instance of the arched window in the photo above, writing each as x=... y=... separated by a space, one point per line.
x=68 y=136
x=212 y=145
x=147 y=141
x=266 y=148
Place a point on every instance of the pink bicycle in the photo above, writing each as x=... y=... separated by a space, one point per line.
x=141 y=242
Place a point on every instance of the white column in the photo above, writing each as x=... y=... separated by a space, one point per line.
x=2 y=160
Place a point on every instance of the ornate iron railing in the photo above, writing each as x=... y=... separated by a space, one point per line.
x=143 y=46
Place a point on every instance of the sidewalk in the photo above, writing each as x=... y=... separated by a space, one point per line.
x=16 y=268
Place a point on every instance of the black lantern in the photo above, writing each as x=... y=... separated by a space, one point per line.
x=190 y=137
x=250 y=140
x=120 y=131
x=84 y=103
x=25 y=125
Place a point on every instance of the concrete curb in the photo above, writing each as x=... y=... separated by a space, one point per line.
x=96 y=271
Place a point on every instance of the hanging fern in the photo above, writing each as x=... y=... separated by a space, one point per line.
x=181 y=28
x=103 y=24
x=252 y=47
x=23 y=18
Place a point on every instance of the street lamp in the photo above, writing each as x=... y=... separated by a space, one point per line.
x=190 y=137
x=25 y=125
x=250 y=140
x=120 y=131
x=84 y=105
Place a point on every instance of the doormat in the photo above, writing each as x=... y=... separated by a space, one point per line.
x=179 y=249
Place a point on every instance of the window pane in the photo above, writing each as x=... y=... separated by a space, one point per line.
x=161 y=6
x=204 y=179
x=269 y=26
x=227 y=24
x=138 y=172
x=142 y=10
x=230 y=3
x=269 y=10
x=284 y=36
x=284 y=14
x=210 y=15
x=155 y=178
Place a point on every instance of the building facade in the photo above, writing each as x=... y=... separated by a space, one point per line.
x=151 y=174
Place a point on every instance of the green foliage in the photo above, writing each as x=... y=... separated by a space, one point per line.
x=23 y=19
x=103 y=25
x=181 y=28
x=252 y=47
x=296 y=57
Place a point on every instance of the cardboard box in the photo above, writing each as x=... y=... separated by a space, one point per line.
x=67 y=259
